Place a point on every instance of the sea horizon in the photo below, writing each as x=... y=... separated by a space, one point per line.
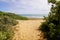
x=33 y=15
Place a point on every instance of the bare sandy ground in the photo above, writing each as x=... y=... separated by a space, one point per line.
x=27 y=30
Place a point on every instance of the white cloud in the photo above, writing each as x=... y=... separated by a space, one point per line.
x=29 y=6
x=9 y=0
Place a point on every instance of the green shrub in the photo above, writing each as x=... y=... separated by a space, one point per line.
x=51 y=27
x=7 y=21
x=6 y=31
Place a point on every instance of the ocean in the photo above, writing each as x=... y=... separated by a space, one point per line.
x=33 y=15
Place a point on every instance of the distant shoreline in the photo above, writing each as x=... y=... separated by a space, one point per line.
x=38 y=16
x=35 y=18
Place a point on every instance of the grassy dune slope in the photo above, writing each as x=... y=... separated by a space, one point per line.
x=12 y=15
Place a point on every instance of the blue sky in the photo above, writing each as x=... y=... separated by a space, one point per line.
x=25 y=6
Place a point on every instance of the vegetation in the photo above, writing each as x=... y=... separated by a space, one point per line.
x=7 y=21
x=12 y=15
x=51 y=27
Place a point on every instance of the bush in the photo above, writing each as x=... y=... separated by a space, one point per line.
x=51 y=27
x=6 y=31
x=7 y=21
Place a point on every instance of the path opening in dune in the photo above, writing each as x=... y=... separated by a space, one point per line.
x=28 y=30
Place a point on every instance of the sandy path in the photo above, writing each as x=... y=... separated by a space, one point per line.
x=27 y=30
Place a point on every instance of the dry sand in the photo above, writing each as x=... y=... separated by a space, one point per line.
x=27 y=30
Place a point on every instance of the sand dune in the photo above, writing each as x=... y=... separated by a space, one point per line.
x=27 y=30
